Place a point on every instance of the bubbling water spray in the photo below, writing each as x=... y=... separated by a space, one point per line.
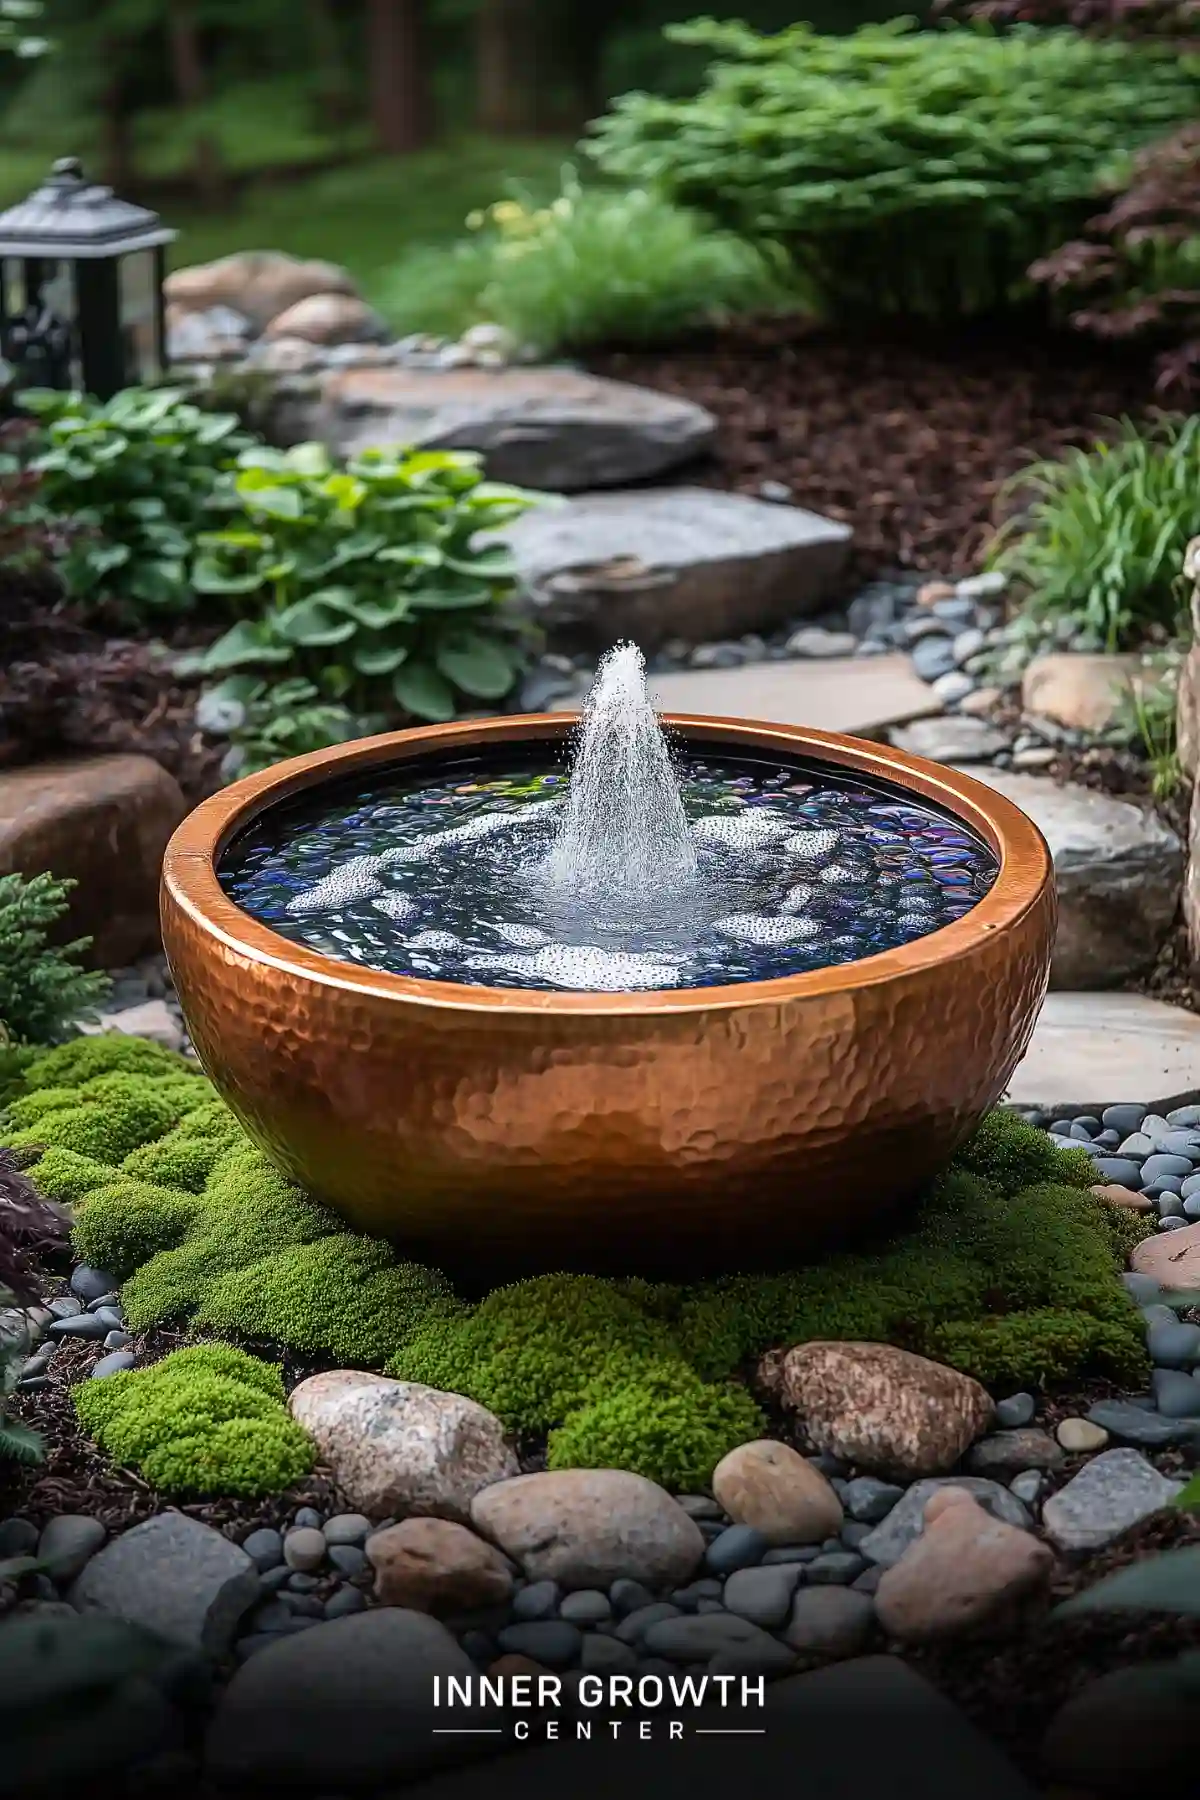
x=624 y=838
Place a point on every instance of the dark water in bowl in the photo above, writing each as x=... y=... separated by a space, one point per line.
x=435 y=874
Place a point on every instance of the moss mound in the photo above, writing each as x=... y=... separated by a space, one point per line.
x=1007 y=1271
x=209 y=1420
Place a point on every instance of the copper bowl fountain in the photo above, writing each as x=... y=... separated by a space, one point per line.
x=515 y=1131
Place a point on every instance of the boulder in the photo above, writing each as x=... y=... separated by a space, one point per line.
x=1082 y=692
x=659 y=563
x=328 y=319
x=260 y=284
x=396 y=1447
x=586 y=1528
x=434 y=1565
x=153 y=1019
x=770 y=1486
x=217 y=334
x=1118 y=870
x=104 y=823
x=175 y=1576
x=556 y=429
x=881 y=1408
x=964 y=1570
x=1171 y=1258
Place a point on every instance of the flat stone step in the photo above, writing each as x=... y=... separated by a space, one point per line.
x=1093 y=1049
x=1119 y=872
x=859 y=696
x=557 y=429
x=650 y=564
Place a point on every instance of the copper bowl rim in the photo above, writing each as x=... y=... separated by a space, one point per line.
x=189 y=877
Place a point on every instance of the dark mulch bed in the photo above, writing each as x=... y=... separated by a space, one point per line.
x=907 y=436
x=69 y=688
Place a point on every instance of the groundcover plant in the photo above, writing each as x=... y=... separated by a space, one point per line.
x=1007 y=1270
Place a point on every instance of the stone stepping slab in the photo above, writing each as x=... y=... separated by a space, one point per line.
x=1088 y=1047
x=859 y=696
x=552 y=428
x=681 y=562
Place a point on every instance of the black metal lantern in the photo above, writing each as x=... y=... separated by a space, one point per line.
x=81 y=287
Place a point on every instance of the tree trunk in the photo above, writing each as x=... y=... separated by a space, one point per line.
x=505 y=45
x=335 y=99
x=116 y=138
x=400 y=104
x=191 y=84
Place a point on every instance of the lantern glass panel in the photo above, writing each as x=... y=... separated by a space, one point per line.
x=139 y=306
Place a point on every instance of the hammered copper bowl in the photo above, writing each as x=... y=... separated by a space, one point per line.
x=497 y=1131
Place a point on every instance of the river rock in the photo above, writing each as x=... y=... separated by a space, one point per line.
x=953 y=739
x=102 y=822
x=436 y=1566
x=396 y=1447
x=904 y=1524
x=678 y=562
x=552 y=428
x=829 y=1622
x=585 y=1528
x=259 y=284
x=878 y=1407
x=1172 y=1260
x=770 y=1486
x=175 y=1576
x=1114 y=1491
x=328 y=319
x=1008 y=1453
x=1118 y=870
x=68 y=1541
x=1084 y=692
x=964 y=1569
x=344 y=1706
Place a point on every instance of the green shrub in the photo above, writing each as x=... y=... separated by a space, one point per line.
x=1100 y=535
x=904 y=171
x=43 y=990
x=366 y=582
x=138 y=475
x=208 y=1420
x=596 y=266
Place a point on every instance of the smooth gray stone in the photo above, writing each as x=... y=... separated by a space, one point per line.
x=118 y=1340
x=587 y=1606
x=69 y=1541
x=1176 y=1395
x=1141 y=1288
x=347 y=1528
x=763 y=1595
x=19 y=1537
x=830 y=1621
x=82 y=1325
x=738 y=1547
x=903 y=1525
x=606 y=1656
x=264 y=1548
x=1015 y=1411
x=111 y=1302
x=1191 y=1185
x=537 y=1601
x=1120 y=1170
x=1184 y=1118
x=549 y=1641
x=635 y=1625
x=115 y=1363
x=696 y=1637
x=91 y=1284
x=1111 y=1493
x=791 y=1553
x=1162 y=1164
x=869 y=1500
x=175 y=1576
x=348 y=1559
x=686 y=1598
x=1134 y=1425
x=1138 y=1145
x=866 y=1729
x=835 y=1567
x=1124 y=1117
x=65 y=1307
x=1175 y=1345
x=346 y=1601
x=629 y=1596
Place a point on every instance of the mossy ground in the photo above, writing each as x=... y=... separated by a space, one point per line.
x=1007 y=1271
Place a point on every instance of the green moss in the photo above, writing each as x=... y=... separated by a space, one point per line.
x=1015 y=1155
x=111 y=1116
x=187 y=1156
x=66 y=1176
x=110 y=1053
x=665 y=1424
x=208 y=1420
x=1029 y=1349
x=127 y=1224
x=341 y=1296
x=535 y=1351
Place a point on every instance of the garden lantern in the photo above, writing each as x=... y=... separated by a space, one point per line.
x=81 y=287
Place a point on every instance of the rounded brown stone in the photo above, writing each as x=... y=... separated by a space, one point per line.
x=770 y=1486
x=434 y=1565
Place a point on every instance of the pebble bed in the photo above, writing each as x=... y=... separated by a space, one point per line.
x=794 y=874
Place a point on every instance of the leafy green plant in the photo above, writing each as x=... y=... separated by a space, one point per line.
x=1099 y=536
x=365 y=581
x=43 y=990
x=137 y=476
x=1168 y=1583
x=266 y=723
x=597 y=265
x=903 y=171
